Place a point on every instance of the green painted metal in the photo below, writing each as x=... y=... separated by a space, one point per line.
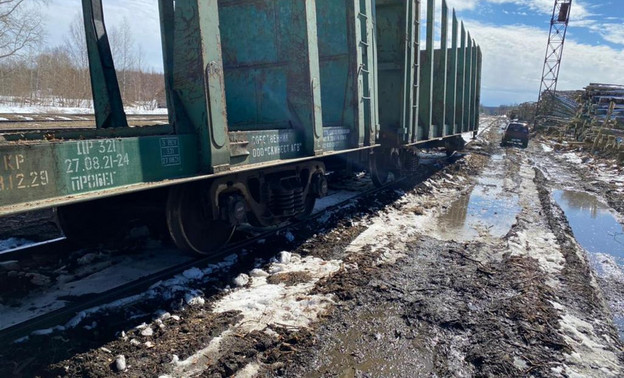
x=416 y=130
x=425 y=111
x=194 y=70
x=45 y=171
x=468 y=85
x=374 y=131
x=461 y=74
x=109 y=111
x=271 y=65
x=395 y=54
x=473 y=85
x=451 y=90
x=440 y=78
x=478 y=88
x=370 y=79
x=345 y=51
x=167 y=13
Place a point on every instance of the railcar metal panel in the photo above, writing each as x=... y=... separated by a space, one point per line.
x=461 y=81
x=397 y=47
x=451 y=91
x=30 y=172
x=271 y=68
x=440 y=78
x=346 y=53
x=468 y=85
x=425 y=111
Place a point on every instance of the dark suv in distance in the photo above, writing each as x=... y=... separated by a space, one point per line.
x=516 y=133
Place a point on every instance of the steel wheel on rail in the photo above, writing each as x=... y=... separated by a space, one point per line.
x=379 y=168
x=191 y=224
x=384 y=162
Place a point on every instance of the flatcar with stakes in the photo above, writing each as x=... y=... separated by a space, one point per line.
x=264 y=98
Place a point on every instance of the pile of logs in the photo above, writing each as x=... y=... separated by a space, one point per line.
x=595 y=117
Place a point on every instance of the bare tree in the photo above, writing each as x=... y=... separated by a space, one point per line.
x=75 y=47
x=122 y=45
x=75 y=42
x=20 y=27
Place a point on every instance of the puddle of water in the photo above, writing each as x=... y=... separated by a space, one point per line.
x=594 y=225
x=488 y=208
x=597 y=230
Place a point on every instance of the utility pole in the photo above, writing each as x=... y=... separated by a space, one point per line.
x=554 y=53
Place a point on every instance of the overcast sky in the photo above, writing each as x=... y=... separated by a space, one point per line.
x=512 y=35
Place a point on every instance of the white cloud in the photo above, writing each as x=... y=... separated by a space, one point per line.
x=613 y=33
x=513 y=57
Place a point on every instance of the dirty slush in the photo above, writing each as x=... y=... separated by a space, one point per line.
x=412 y=296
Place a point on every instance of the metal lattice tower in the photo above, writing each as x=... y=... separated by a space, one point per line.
x=554 y=49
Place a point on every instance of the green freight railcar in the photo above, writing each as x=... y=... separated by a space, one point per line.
x=261 y=96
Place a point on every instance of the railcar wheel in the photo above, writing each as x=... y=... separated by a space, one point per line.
x=309 y=203
x=190 y=222
x=379 y=169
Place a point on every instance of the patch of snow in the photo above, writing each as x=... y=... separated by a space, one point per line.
x=547 y=148
x=258 y=273
x=589 y=350
x=3 y=119
x=249 y=371
x=241 y=280
x=193 y=274
x=285 y=257
x=197 y=363
x=12 y=243
x=8 y=108
x=263 y=304
x=572 y=158
x=194 y=298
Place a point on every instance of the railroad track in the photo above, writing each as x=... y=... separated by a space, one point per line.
x=63 y=315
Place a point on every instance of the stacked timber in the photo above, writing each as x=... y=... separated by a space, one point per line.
x=598 y=98
x=560 y=108
x=599 y=123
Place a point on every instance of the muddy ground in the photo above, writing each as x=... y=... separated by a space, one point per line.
x=434 y=283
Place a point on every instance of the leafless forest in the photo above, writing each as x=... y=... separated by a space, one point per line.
x=33 y=72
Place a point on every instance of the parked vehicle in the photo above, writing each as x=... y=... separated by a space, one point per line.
x=516 y=133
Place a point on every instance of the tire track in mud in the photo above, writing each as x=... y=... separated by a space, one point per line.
x=487 y=307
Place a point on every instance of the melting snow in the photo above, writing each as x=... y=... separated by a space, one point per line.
x=263 y=304
x=12 y=243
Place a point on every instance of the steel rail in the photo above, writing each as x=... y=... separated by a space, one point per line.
x=62 y=315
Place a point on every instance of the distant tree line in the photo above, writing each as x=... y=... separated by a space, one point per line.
x=59 y=76
x=524 y=112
